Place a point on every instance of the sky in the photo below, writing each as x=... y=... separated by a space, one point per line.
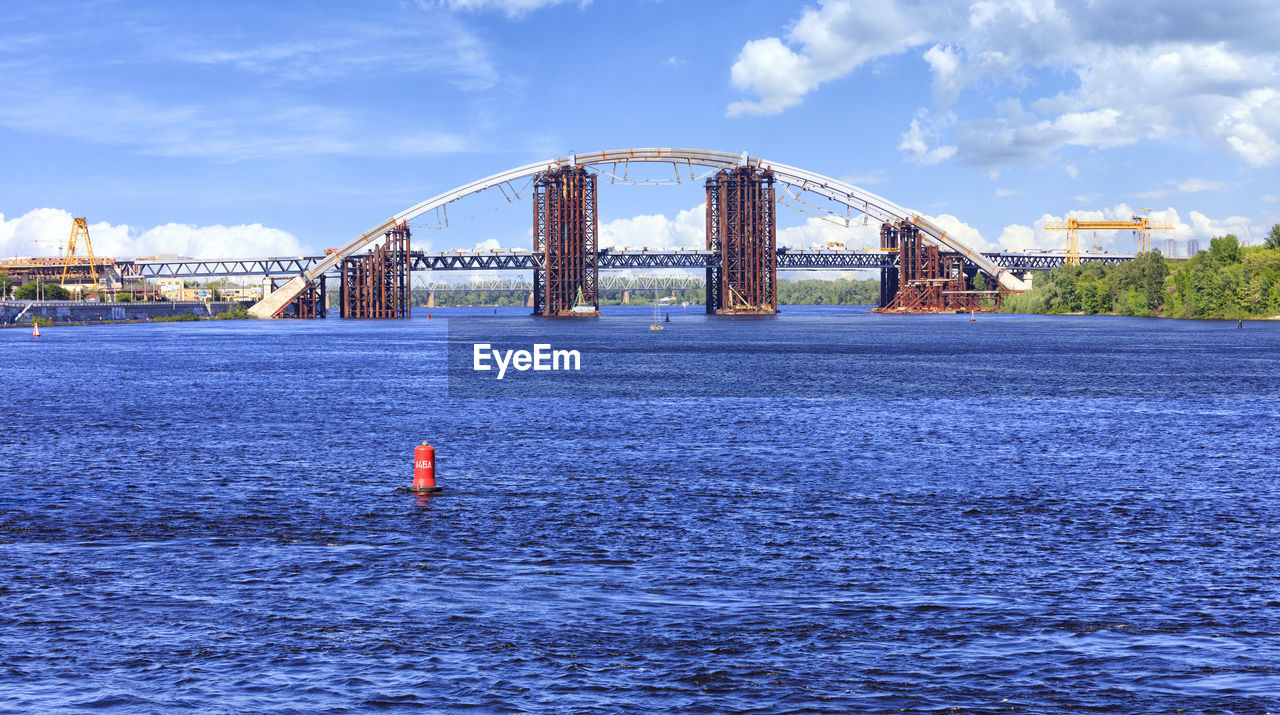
x=253 y=129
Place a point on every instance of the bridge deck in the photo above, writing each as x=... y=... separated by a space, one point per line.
x=788 y=260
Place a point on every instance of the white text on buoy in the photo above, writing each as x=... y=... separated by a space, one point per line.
x=424 y=469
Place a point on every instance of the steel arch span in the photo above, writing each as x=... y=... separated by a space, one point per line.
x=857 y=199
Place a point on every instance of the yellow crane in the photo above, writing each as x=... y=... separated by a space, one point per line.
x=1140 y=225
x=79 y=227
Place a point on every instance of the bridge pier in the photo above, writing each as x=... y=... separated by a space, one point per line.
x=431 y=299
x=566 y=283
x=742 y=277
x=889 y=241
x=376 y=284
x=926 y=281
x=312 y=302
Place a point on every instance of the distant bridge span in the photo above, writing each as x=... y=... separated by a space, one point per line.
x=857 y=199
x=789 y=259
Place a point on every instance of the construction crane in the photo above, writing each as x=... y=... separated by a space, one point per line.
x=79 y=227
x=1140 y=225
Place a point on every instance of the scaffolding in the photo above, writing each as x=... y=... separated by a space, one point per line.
x=376 y=284
x=927 y=281
x=567 y=277
x=312 y=302
x=742 y=278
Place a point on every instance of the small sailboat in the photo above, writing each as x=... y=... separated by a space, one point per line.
x=655 y=324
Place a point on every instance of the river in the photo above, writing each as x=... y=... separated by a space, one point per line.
x=828 y=510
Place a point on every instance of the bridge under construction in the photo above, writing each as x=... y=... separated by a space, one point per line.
x=922 y=268
x=741 y=258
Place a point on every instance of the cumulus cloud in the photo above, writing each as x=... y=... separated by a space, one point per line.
x=44 y=232
x=512 y=8
x=1197 y=225
x=687 y=229
x=818 y=232
x=1142 y=70
x=915 y=146
x=963 y=232
x=1193 y=185
x=830 y=42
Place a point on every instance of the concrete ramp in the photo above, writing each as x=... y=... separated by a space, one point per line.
x=270 y=306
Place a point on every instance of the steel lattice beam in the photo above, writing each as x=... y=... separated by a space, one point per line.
x=788 y=260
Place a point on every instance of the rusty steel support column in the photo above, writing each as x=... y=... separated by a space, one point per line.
x=376 y=284
x=889 y=241
x=925 y=281
x=742 y=234
x=566 y=281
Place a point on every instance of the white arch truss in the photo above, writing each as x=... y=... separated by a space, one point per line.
x=857 y=199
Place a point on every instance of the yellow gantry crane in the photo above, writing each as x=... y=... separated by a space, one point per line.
x=1140 y=225
x=79 y=227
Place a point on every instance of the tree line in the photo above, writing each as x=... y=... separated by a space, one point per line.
x=1226 y=280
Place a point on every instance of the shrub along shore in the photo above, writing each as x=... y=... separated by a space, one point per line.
x=1225 y=282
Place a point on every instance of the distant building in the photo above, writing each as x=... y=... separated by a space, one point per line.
x=1170 y=248
x=1193 y=246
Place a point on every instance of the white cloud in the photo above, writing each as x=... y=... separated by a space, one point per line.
x=1006 y=193
x=512 y=8
x=44 y=232
x=1016 y=237
x=434 y=45
x=1143 y=70
x=1270 y=198
x=916 y=148
x=1071 y=171
x=1198 y=226
x=1086 y=198
x=489 y=244
x=688 y=229
x=1193 y=185
x=234 y=131
x=832 y=41
x=818 y=232
x=240 y=95
x=963 y=232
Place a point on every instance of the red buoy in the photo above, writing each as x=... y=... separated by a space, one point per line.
x=424 y=469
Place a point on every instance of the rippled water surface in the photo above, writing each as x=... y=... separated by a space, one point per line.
x=1018 y=513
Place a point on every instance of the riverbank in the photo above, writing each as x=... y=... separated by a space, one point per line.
x=85 y=312
x=1225 y=282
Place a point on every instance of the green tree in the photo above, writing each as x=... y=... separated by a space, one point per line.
x=1273 y=237
x=32 y=290
x=1094 y=297
x=1225 y=249
x=5 y=285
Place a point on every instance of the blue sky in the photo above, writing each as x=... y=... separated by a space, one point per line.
x=231 y=128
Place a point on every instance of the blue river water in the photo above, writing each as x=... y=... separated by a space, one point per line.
x=825 y=511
